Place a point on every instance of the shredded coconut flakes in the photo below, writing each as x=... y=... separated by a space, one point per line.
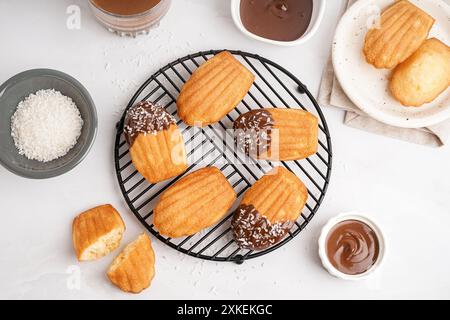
x=46 y=125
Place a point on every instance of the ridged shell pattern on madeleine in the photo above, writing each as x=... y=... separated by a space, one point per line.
x=213 y=90
x=277 y=133
x=196 y=201
x=268 y=209
x=96 y=232
x=134 y=268
x=403 y=28
x=156 y=144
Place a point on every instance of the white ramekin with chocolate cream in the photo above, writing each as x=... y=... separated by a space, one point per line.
x=351 y=246
x=278 y=22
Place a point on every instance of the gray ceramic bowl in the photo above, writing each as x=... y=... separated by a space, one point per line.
x=19 y=87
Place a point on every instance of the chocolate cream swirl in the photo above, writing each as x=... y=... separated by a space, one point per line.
x=352 y=247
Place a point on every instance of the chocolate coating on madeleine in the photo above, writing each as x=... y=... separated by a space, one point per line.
x=146 y=118
x=253 y=231
x=253 y=132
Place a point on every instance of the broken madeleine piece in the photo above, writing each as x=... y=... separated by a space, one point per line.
x=403 y=28
x=97 y=232
x=134 y=268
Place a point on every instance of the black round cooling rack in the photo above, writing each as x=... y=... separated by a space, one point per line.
x=211 y=146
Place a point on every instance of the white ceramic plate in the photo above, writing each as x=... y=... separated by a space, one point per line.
x=367 y=86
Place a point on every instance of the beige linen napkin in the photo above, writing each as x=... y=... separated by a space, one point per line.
x=332 y=94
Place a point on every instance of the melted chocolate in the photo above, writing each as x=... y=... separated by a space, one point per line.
x=253 y=231
x=281 y=20
x=253 y=132
x=126 y=7
x=146 y=117
x=352 y=247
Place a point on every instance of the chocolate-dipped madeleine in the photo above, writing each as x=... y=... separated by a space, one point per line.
x=156 y=144
x=277 y=134
x=268 y=209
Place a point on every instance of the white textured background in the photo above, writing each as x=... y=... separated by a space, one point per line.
x=406 y=187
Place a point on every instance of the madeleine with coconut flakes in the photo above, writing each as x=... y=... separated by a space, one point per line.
x=156 y=144
x=277 y=134
x=269 y=209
